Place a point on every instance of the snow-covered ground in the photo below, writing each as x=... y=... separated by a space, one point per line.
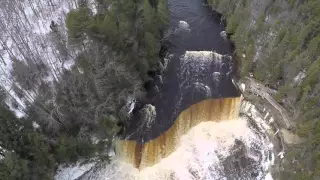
x=26 y=28
x=72 y=172
x=26 y=35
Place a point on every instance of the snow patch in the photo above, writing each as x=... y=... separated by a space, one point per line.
x=94 y=140
x=268 y=177
x=92 y=4
x=271 y=120
x=281 y=154
x=72 y=172
x=35 y=125
x=26 y=33
x=299 y=78
x=243 y=87
x=131 y=104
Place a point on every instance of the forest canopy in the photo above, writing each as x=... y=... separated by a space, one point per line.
x=74 y=113
x=278 y=43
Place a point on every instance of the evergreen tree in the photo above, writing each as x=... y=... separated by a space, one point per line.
x=26 y=153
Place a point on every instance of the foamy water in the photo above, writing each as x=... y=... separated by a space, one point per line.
x=201 y=154
x=208 y=141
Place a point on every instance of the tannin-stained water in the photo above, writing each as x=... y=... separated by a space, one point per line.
x=148 y=154
x=208 y=141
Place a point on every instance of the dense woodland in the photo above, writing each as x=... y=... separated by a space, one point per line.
x=278 y=43
x=71 y=113
x=71 y=83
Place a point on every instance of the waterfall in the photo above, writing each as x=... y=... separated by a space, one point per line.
x=150 y=153
x=207 y=139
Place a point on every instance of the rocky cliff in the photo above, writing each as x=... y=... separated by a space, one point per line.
x=277 y=43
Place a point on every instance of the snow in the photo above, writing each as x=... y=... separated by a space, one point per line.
x=111 y=152
x=35 y=125
x=270 y=146
x=93 y=6
x=26 y=33
x=298 y=79
x=243 y=87
x=68 y=65
x=271 y=120
x=268 y=177
x=80 y=70
x=131 y=102
x=281 y=154
x=72 y=172
x=1 y=157
x=251 y=111
x=94 y=140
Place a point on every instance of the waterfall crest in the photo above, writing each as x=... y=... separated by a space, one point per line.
x=150 y=153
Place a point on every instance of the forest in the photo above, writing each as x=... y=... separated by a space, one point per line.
x=69 y=106
x=278 y=43
x=70 y=69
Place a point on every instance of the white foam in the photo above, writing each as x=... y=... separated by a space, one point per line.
x=200 y=55
x=195 y=64
x=203 y=87
x=198 y=156
x=223 y=34
x=184 y=25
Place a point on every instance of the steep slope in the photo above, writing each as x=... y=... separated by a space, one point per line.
x=278 y=43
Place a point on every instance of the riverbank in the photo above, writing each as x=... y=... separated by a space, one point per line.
x=258 y=105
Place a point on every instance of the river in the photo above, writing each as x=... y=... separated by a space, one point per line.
x=195 y=131
x=199 y=66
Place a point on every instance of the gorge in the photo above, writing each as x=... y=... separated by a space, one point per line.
x=197 y=132
x=159 y=89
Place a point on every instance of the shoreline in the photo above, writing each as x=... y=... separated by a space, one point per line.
x=281 y=135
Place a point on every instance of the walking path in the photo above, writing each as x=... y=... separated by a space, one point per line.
x=259 y=89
